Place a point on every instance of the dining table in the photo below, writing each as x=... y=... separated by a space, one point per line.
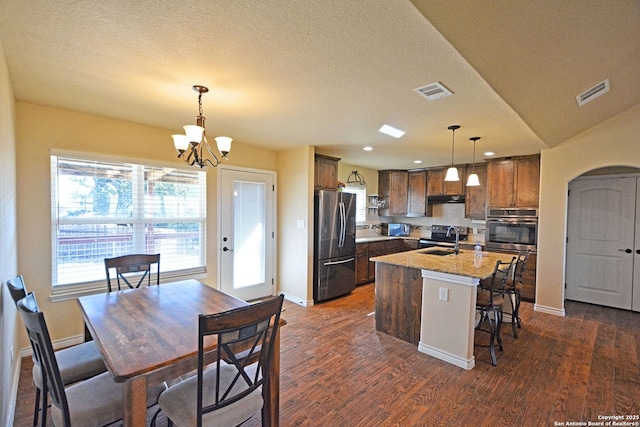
x=149 y=335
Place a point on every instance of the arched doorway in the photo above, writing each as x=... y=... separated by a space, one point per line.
x=603 y=238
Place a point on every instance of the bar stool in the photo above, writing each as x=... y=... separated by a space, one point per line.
x=514 y=292
x=489 y=303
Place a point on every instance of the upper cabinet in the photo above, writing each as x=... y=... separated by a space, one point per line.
x=392 y=192
x=475 y=201
x=326 y=172
x=417 y=193
x=513 y=182
x=437 y=186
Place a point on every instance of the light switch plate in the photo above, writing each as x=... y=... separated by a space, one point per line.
x=444 y=294
x=300 y=223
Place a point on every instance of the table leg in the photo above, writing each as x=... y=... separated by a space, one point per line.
x=271 y=409
x=134 y=402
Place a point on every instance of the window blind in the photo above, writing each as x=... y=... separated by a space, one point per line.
x=103 y=209
x=361 y=202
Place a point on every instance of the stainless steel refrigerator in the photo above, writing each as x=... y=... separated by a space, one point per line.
x=335 y=244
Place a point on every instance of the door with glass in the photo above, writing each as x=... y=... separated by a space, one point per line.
x=246 y=233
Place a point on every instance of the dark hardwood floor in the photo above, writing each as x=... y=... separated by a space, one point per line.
x=336 y=370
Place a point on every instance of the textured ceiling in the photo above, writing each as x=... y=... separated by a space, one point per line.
x=329 y=73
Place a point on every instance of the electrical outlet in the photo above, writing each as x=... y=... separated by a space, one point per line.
x=444 y=294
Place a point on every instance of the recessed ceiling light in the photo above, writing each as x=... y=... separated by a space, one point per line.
x=367 y=148
x=489 y=153
x=417 y=162
x=391 y=131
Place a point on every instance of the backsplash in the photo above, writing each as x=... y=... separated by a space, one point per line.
x=444 y=214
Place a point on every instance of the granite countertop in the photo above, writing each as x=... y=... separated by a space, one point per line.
x=461 y=264
x=379 y=238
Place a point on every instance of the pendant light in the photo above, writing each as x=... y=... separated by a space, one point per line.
x=473 y=180
x=452 y=172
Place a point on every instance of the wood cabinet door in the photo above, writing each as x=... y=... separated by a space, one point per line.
x=527 y=182
x=326 y=173
x=362 y=267
x=435 y=182
x=476 y=197
x=500 y=181
x=398 y=186
x=417 y=193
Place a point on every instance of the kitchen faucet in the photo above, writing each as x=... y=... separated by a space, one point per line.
x=456 y=248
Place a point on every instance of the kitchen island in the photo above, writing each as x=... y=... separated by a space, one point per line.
x=429 y=300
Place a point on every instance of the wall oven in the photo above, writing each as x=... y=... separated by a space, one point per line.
x=513 y=229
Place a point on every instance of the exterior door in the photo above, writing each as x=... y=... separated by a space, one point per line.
x=601 y=230
x=246 y=233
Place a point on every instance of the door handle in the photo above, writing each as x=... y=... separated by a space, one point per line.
x=626 y=250
x=227 y=249
x=638 y=251
x=339 y=262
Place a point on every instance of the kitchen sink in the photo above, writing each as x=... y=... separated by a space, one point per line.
x=439 y=252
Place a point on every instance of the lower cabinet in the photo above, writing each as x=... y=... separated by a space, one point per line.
x=365 y=269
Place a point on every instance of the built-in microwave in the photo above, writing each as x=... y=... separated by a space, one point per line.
x=513 y=229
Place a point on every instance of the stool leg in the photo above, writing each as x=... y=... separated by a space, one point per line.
x=36 y=408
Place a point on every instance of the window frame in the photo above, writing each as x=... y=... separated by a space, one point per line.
x=361 y=202
x=61 y=292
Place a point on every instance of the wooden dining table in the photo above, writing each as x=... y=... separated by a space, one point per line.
x=150 y=335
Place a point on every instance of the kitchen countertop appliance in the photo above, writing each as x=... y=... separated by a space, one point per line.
x=439 y=236
x=335 y=244
x=513 y=229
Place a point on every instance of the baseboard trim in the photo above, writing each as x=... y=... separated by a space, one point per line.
x=447 y=357
x=11 y=409
x=294 y=299
x=549 y=310
x=57 y=345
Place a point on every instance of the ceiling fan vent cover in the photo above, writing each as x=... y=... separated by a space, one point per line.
x=592 y=93
x=433 y=91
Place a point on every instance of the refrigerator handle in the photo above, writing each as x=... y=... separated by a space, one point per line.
x=342 y=225
x=339 y=262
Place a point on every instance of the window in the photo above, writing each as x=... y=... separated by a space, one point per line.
x=102 y=209
x=361 y=202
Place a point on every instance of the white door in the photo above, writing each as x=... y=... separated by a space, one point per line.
x=601 y=229
x=246 y=233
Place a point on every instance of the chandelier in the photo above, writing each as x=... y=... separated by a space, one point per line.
x=193 y=146
x=356 y=179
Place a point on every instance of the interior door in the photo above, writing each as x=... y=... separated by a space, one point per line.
x=601 y=231
x=246 y=233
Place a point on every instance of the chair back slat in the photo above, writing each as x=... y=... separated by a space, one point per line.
x=44 y=355
x=245 y=338
x=130 y=267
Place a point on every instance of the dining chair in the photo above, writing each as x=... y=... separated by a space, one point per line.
x=76 y=363
x=132 y=268
x=489 y=303
x=231 y=389
x=513 y=291
x=94 y=402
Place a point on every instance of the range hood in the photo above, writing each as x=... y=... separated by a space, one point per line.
x=445 y=199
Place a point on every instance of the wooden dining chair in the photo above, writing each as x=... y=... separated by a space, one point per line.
x=132 y=268
x=76 y=363
x=489 y=302
x=231 y=389
x=95 y=402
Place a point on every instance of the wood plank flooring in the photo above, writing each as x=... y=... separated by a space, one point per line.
x=338 y=371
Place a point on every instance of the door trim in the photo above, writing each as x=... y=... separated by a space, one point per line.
x=274 y=241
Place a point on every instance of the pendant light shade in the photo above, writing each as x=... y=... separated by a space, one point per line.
x=473 y=180
x=452 y=172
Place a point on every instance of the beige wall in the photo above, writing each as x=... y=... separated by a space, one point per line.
x=8 y=247
x=295 y=245
x=40 y=129
x=612 y=143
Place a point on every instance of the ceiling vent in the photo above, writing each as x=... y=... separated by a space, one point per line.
x=591 y=94
x=433 y=91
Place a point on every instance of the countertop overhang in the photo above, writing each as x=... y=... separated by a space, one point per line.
x=461 y=264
